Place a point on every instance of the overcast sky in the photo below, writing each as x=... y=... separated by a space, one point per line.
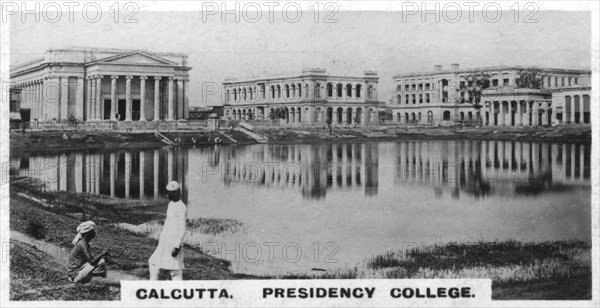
x=359 y=41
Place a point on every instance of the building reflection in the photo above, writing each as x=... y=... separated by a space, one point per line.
x=124 y=174
x=451 y=168
x=313 y=169
x=479 y=167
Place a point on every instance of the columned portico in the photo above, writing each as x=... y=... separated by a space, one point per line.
x=77 y=90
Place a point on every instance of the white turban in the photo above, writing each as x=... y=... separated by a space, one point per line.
x=83 y=227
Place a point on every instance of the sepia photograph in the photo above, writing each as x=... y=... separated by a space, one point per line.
x=308 y=153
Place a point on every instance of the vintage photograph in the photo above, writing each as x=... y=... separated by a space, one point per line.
x=302 y=140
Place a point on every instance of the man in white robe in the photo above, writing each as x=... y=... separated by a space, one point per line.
x=169 y=252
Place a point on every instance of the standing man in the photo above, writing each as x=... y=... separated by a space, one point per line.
x=82 y=265
x=169 y=252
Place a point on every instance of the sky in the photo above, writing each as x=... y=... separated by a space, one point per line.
x=356 y=41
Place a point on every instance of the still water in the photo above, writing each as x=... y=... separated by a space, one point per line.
x=331 y=206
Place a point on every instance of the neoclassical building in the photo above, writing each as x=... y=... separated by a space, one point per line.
x=102 y=85
x=309 y=99
x=435 y=97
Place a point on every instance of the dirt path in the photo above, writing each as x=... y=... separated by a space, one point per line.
x=61 y=255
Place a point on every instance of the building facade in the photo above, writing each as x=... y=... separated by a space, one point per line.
x=437 y=97
x=102 y=85
x=312 y=98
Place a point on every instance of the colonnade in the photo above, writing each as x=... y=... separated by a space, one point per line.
x=340 y=116
x=517 y=113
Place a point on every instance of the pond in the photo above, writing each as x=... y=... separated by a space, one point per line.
x=326 y=206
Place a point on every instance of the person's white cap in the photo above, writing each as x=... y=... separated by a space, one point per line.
x=173 y=186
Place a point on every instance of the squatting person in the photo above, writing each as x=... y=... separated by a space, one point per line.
x=82 y=264
x=169 y=252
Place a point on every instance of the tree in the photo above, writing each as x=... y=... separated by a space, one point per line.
x=529 y=79
x=474 y=86
x=278 y=113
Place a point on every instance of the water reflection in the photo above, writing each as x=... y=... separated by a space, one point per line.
x=450 y=168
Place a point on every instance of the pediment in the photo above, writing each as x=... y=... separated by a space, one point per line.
x=136 y=57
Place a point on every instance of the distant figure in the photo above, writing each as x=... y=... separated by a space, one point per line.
x=82 y=265
x=169 y=252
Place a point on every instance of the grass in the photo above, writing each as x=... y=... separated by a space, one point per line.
x=35 y=276
x=545 y=270
x=129 y=251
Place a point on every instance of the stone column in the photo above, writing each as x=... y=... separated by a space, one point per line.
x=170 y=100
x=519 y=115
x=88 y=99
x=128 y=98
x=113 y=98
x=527 y=113
x=181 y=99
x=572 y=103
x=545 y=113
x=93 y=98
x=64 y=99
x=143 y=99
x=535 y=114
x=554 y=113
x=581 y=118
x=99 y=102
x=156 y=98
x=502 y=114
x=79 y=99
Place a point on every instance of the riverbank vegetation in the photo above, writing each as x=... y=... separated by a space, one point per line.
x=52 y=217
x=558 y=270
x=64 y=140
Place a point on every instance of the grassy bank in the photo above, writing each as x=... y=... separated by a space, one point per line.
x=558 y=270
x=35 y=276
x=73 y=140
x=56 y=141
x=57 y=224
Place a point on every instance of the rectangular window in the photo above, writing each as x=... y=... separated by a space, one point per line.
x=549 y=80
x=569 y=81
x=562 y=82
x=494 y=82
x=505 y=82
x=556 y=81
x=575 y=80
x=406 y=87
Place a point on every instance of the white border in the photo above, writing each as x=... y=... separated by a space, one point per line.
x=593 y=6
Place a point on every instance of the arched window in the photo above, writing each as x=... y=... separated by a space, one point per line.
x=278 y=91
x=306 y=90
x=329 y=90
x=244 y=94
x=427 y=100
x=370 y=92
x=299 y=90
x=429 y=117
x=414 y=98
x=358 y=90
x=287 y=90
x=234 y=95
x=272 y=91
x=349 y=90
x=293 y=90
x=406 y=99
x=446 y=115
x=420 y=98
x=339 y=90
x=317 y=90
x=462 y=116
